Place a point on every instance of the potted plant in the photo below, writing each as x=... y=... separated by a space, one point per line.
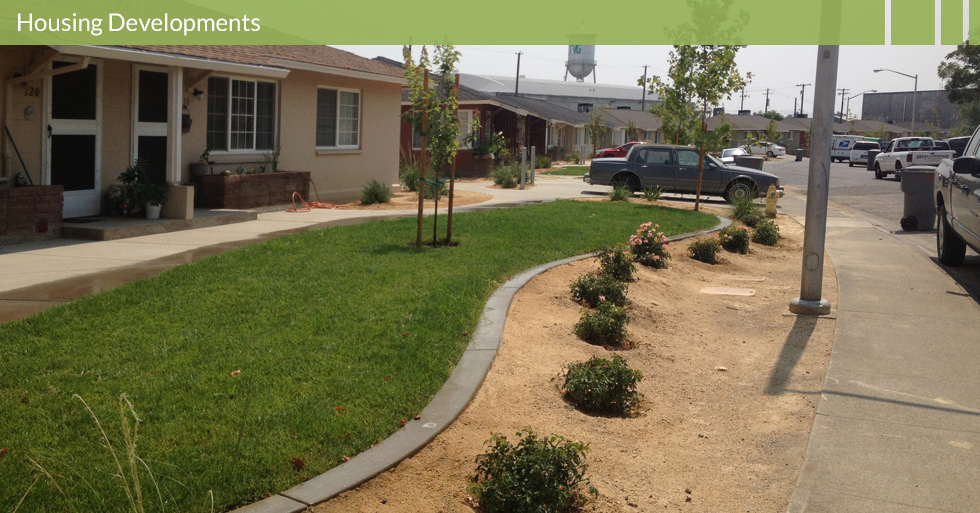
x=151 y=196
x=484 y=151
x=201 y=167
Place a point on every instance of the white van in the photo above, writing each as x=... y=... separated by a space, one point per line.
x=840 y=149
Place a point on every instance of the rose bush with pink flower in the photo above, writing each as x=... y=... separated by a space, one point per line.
x=649 y=246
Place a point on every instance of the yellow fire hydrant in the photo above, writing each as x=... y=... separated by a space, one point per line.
x=771 y=196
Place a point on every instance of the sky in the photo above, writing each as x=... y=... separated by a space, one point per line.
x=778 y=68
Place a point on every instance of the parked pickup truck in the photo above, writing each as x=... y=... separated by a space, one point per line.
x=675 y=169
x=957 y=190
x=907 y=152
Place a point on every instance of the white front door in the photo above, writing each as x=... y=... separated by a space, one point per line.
x=73 y=142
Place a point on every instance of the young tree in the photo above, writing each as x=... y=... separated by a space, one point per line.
x=701 y=75
x=632 y=133
x=597 y=128
x=437 y=106
x=771 y=133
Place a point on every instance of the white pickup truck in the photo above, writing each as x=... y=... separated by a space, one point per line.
x=907 y=152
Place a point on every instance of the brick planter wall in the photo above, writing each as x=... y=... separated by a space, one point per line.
x=250 y=191
x=30 y=213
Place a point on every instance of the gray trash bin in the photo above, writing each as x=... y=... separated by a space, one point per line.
x=871 y=159
x=799 y=154
x=749 y=161
x=920 y=205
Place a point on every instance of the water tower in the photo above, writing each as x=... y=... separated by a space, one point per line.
x=581 y=62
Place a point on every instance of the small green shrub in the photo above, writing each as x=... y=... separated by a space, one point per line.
x=652 y=193
x=591 y=289
x=617 y=263
x=605 y=325
x=542 y=163
x=505 y=157
x=602 y=386
x=620 y=193
x=704 y=250
x=752 y=219
x=747 y=211
x=375 y=192
x=536 y=475
x=507 y=177
x=734 y=239
x=649 y=245
x=573 y=156
x=766 y=233
x=408 y=175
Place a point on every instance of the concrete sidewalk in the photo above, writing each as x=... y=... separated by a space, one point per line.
x=898 y=423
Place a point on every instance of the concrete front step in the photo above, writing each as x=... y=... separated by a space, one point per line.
x=114 y=228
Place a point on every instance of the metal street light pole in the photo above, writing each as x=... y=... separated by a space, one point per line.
x=811 y=301
x=915 y=90
x=855 y=96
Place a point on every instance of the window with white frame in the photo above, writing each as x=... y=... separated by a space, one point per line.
x=465 y=129
x=338 y=119
x=241 y=115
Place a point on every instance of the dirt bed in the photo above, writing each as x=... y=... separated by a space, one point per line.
x=730 y=382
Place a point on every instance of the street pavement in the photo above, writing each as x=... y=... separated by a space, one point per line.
x=898 y=421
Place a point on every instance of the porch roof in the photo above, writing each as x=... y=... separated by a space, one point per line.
x=264 y=60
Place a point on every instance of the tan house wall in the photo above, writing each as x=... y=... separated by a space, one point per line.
x=339 y=175
x=16 y=99
x=117 y=124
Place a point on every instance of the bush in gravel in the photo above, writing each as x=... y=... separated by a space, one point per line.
x=542 y=163
x=605 y=325
x=602 y=386
x=617 y=263
x=747 y=211
x=408 y=175
x=734 y=239
x=704 y=250
x=649 y=245
x=375 y=192
x=507 y=177
x=620 y=193
x=652 y=193
x=766 y=233
x=592 y=289
x=536 y=475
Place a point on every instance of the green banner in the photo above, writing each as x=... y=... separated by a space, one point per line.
x=861 y=22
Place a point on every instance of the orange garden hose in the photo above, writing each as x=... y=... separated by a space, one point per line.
x=313 y=204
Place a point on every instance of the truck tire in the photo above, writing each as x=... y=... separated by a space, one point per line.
x=740 y=189
x=949 y=247
x=878 y=174
x=898 y=171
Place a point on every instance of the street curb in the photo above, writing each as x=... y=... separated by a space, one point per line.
x=447 y=405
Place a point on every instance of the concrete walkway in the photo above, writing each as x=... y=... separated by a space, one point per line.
x=898 y=423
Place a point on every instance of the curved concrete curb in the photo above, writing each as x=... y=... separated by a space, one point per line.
x=447 y=405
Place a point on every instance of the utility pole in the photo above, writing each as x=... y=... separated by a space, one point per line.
x=843 y=92
x=518 y=81
x=802 y=93
x=742 y=105
x=643 y=102
x=767 y=101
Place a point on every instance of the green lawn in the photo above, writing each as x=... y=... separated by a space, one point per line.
x=339 y=334
x=570 y=171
